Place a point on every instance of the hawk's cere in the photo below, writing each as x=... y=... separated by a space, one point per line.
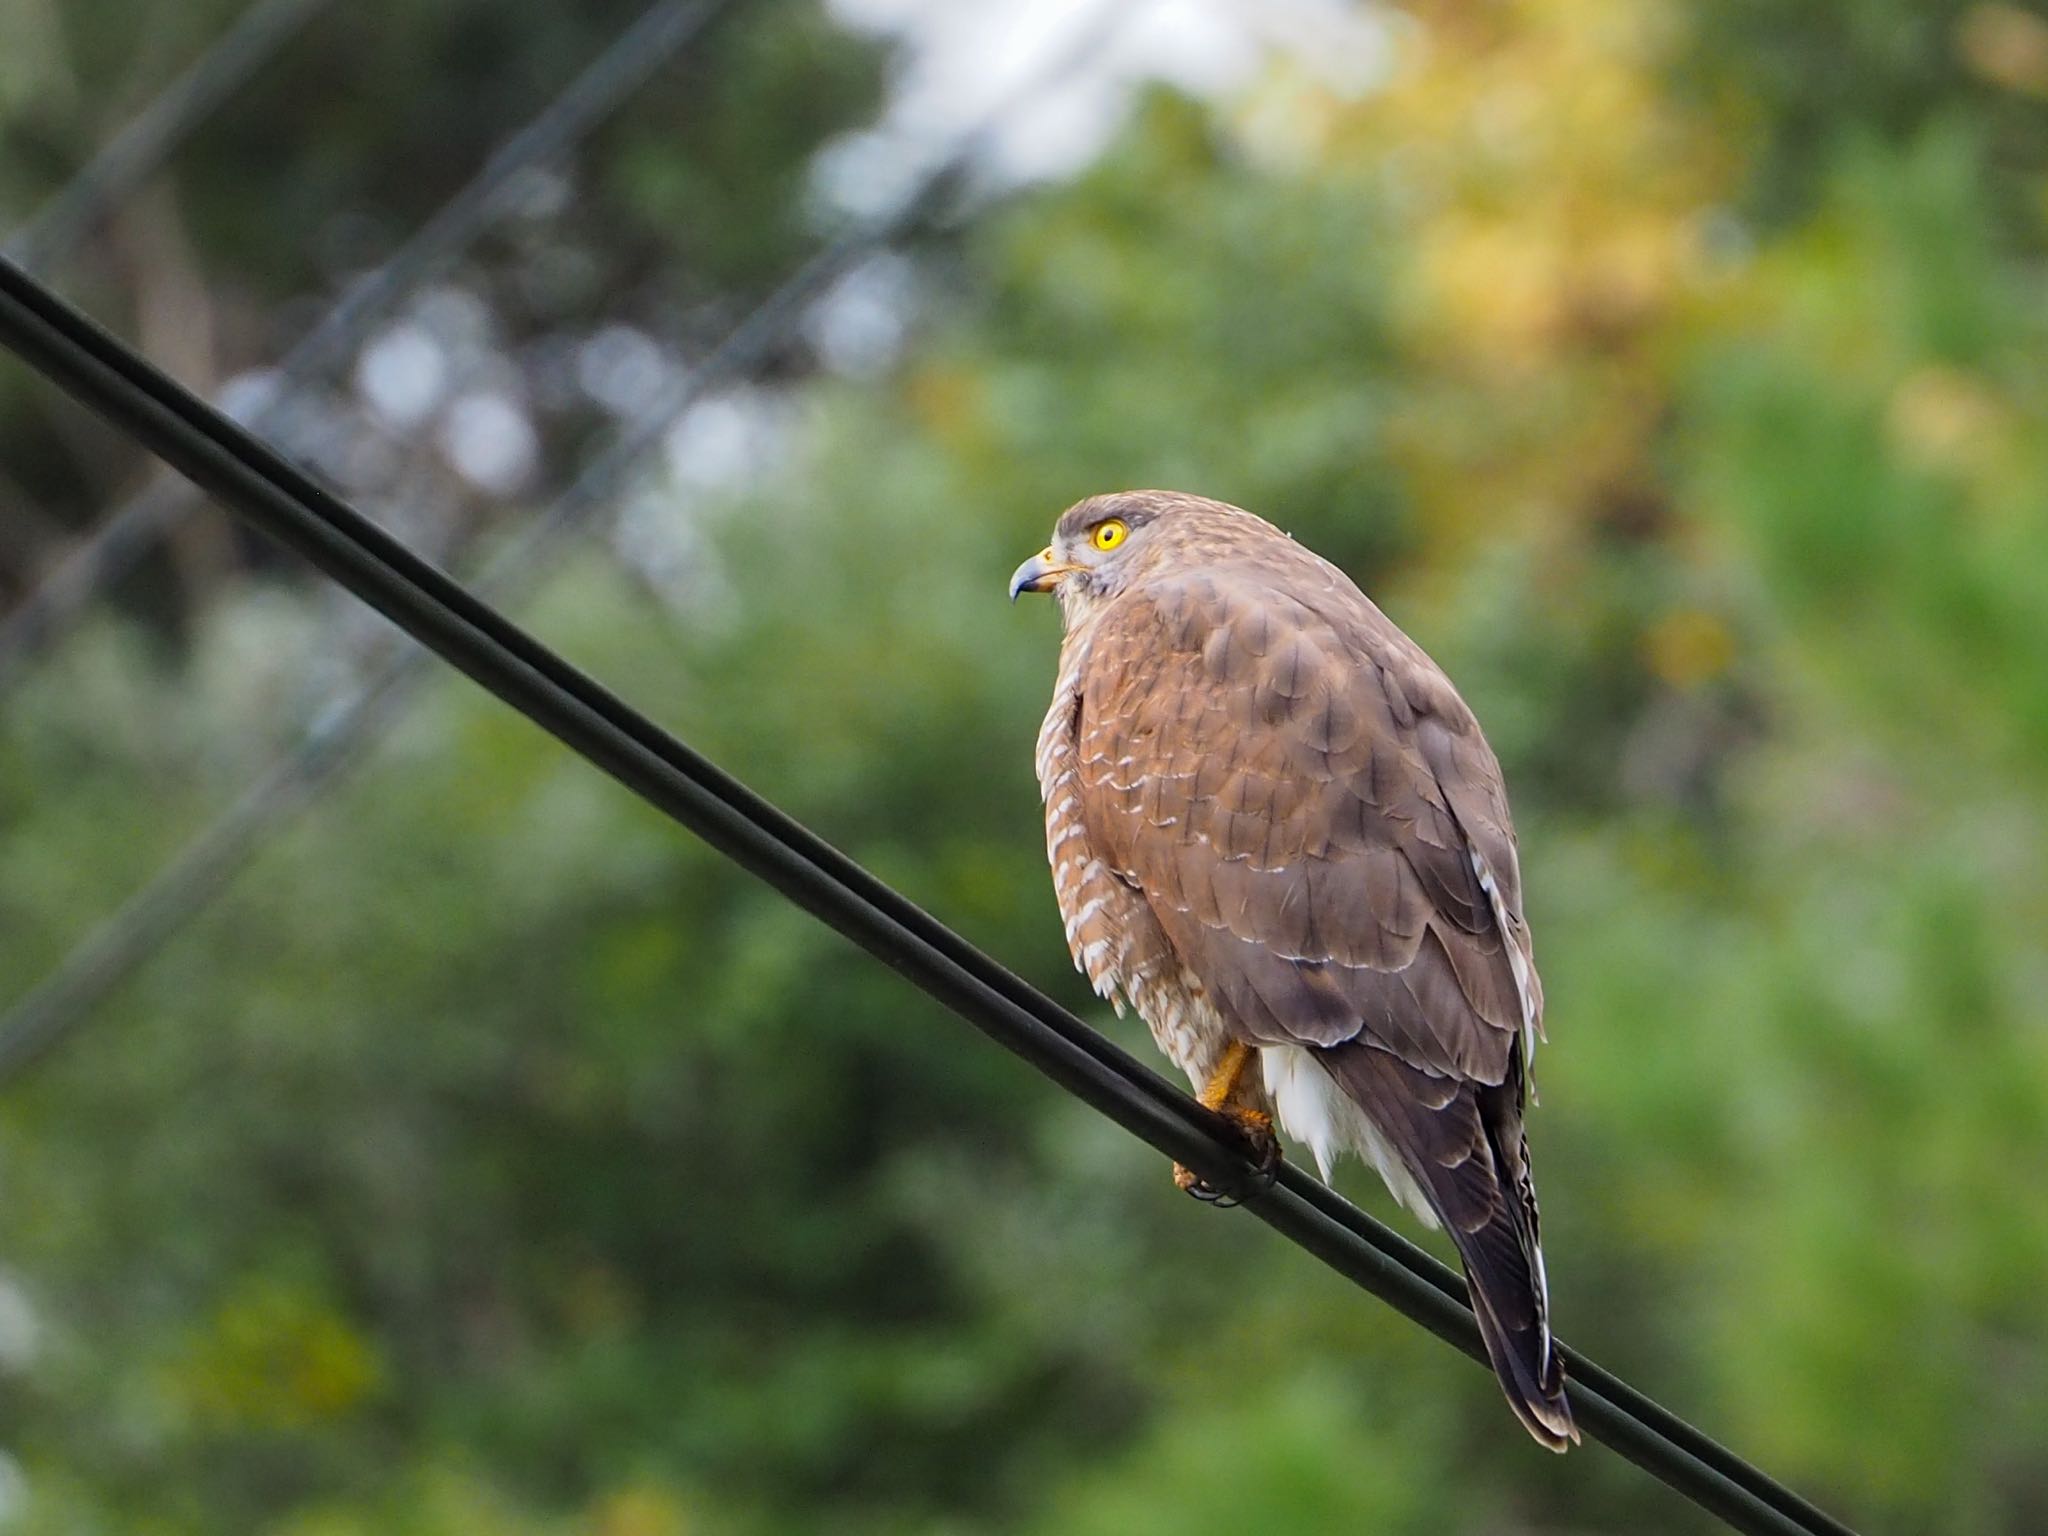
x=1277 y=832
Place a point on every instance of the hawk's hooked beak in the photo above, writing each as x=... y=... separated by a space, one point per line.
x=1041 y=573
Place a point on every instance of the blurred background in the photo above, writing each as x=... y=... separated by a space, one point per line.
x=487 y=1157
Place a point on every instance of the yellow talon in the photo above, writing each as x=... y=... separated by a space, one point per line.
x=1223 y=1081
x=1255 y=1124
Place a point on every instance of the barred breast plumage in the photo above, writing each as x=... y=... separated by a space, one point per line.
x=1115 y=940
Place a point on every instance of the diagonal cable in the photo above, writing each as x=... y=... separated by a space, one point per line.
x=271 y=494
x=340 y=733
x=152 y=136
x=114 y=547
x=446 y=618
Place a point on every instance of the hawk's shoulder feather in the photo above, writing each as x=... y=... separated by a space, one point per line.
x=1310 y=809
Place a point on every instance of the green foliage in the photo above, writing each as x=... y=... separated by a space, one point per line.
x=492 y=1159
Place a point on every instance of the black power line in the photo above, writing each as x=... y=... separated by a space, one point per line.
x=895 y=930
x=271 y=494
x=135 y=153
x=113 y=548
x=339 y=734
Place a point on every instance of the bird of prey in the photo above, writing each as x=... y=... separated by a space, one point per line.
x=1277 y=833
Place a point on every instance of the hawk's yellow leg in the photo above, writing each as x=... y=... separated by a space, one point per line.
x=1231 y=1094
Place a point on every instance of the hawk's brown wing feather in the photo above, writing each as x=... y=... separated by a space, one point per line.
x=1464 y=1143
x=1299 y=794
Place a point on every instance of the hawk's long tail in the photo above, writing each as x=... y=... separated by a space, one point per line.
x=1462 y=1142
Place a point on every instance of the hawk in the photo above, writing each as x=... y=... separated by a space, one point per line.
x=1277 y=833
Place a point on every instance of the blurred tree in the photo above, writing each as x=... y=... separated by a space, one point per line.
x=492 y=1159
x=691 y=199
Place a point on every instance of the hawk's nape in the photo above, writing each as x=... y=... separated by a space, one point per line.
x=1278 y=833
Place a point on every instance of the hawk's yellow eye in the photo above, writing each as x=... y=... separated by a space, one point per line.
x=1110 y=534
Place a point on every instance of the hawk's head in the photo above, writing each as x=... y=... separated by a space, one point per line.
x=1099 y=546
